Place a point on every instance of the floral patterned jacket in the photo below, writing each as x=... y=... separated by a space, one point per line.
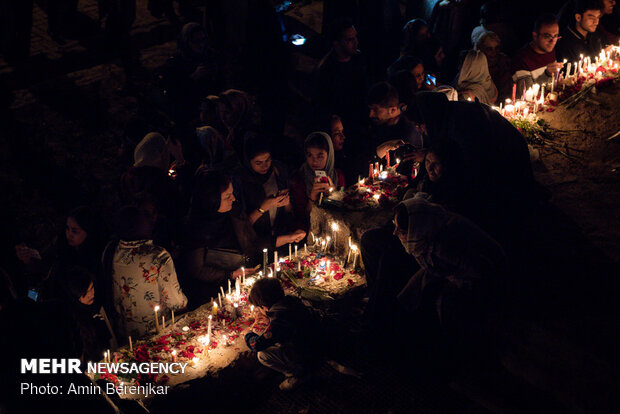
x=143 y=277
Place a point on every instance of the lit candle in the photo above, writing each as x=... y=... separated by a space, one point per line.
x=305 y=248
x=214 y=309
x=156 y=309
x=370 y=171
x=295 y=250
x=275 y=259
x=354 y=248
x=514 y=91
x=270 y=272
x=334 y=231
x=224 y=340
x=174 y=355
x=236 y=310
x=163 y=321
x=219 y=299
x=397 y=161
x=238 y=288
x=229 y=290
x=243 y=274
x=186 y=328
x=526 y=110
x=290 y=253
x=105 y=357
x=251 y=308
x=209 y=326
x=299 y=266
x=328 y=241
x=265 y=261
x=380 y=168
x=130 y=345
x=223 y=294
x=327 y=268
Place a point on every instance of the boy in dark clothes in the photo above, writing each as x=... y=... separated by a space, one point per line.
x=291 y=342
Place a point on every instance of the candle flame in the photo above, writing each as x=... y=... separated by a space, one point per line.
x=156 y=308
x=185 y=328
x=334 y=226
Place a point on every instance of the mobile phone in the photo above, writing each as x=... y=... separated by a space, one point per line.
x=320 y=173
x=431 y=80
x=33 y=294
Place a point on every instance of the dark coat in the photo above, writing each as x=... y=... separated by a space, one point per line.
x=294 y=324
x=251 y=194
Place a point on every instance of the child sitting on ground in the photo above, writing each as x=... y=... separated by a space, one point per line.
x=290 y=344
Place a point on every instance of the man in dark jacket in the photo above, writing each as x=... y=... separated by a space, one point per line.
x=581 y=38
x=290 y=343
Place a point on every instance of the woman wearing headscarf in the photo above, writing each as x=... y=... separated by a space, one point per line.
x=461 y=266
x=317 y=175
x=219 y=240
x=150 y=183
x=474 y=80
x=80 y=244
x=263 y=187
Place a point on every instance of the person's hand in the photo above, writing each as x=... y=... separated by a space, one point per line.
x=320 y=186
x=553 y=67
x=236 y=273
x=389 y=146
x=297 y=236
x=26 y=254
x=417 y=156
x=283 y=200
x=176 y=150
x=269 y=203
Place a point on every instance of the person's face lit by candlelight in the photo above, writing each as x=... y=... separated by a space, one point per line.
x=74 y=233
x=261 y=163
x=433 y=166
x=227 y=200
x=316 y=158
x=337 y=134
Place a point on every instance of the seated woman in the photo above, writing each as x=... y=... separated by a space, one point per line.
x=220 y=239
x=461 y=267
x=317 y=175
x=263 y=185
x=474 y=80
x=499 y=64
x=79 y=245
x=142 y=275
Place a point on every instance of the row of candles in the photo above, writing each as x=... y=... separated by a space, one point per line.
x=321 y=245
x=514 y=107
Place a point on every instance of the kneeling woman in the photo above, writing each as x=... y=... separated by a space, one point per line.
x=263 y=185
x=317 y=175
x=220 y=239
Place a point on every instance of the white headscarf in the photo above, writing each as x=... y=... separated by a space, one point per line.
x=152 y=151
x=475 y=77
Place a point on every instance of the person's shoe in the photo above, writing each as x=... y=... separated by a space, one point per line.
x=290 y=383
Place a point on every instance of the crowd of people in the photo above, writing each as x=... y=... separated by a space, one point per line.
x=202 y=199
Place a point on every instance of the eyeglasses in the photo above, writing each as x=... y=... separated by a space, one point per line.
x=548 y=36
